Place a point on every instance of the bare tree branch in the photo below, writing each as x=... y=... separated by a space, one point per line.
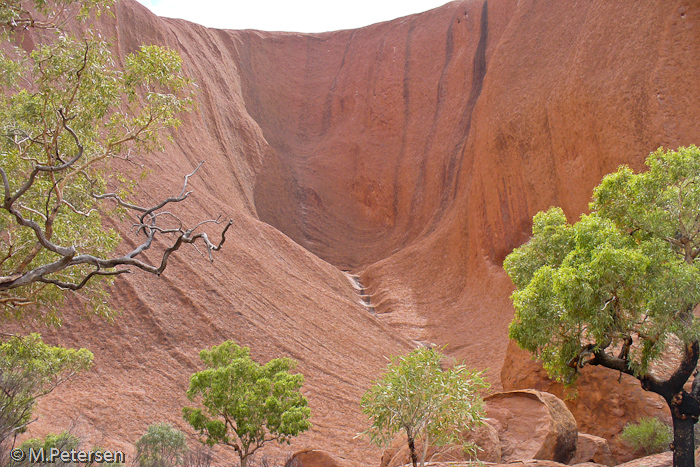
x=148 y=218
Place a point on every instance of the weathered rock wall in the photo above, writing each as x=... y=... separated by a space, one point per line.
x=413 y=152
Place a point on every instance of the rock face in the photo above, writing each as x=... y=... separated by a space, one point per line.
x=413 y=152
x=533 y=425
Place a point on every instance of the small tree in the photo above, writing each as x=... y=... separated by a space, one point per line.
x=416 y=396
x=30 y=369
x=246 y=405
x=618 y=288
x=161 y=446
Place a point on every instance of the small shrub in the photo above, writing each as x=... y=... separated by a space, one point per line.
x=649 y=435
x=161 y=446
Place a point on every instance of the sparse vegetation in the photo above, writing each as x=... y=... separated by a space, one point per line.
x=427 y=403
x=246 y=405
x=648 y=435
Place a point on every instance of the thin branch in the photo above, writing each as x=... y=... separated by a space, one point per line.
x=34 y=211
x=72 y=286
x=78 y=211
x=183 y=194
x=46 y=168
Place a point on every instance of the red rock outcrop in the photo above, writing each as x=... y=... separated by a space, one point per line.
x=605 y=401
x=315 y=458
x=532 y=425
x=594 y=449
x=413 y=152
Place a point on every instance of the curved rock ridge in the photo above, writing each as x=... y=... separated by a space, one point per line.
x=413 y=153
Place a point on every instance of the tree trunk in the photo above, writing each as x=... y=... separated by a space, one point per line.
x=412 y=448
x=683 y=442
x=244 y=461
x=684 y=405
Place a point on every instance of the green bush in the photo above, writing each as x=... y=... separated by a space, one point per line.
x=649 y=435
x=161 y=446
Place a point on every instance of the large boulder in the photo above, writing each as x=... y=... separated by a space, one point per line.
x=591 y=448
x=485 y=437
x=315 y=458
x=533 y=425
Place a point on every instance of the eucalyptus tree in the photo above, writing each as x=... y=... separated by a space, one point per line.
x=619 y=287
x=67 y=111
x=245 y=404
x=428 y=404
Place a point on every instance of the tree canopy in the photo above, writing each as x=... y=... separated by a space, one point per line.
x=618 y=287
x=67 y=110
x=246 y=405
x=30 y=369
x=427 y=403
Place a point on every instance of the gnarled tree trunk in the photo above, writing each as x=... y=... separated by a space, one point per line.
x=412 y=448
x=683 y=442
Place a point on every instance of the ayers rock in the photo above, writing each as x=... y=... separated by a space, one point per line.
x=412 y=153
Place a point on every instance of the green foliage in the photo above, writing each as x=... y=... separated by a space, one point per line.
x=30 y=369
x=416 y=396
x=625 y=278
x=64 y=442
x=649 y=435
x=67 y=110
x=161 y=446
x=48 y=14
x=246 y=404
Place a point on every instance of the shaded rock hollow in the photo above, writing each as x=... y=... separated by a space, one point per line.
x=413 y=152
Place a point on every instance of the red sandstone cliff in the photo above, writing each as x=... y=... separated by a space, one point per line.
x=412 y=152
